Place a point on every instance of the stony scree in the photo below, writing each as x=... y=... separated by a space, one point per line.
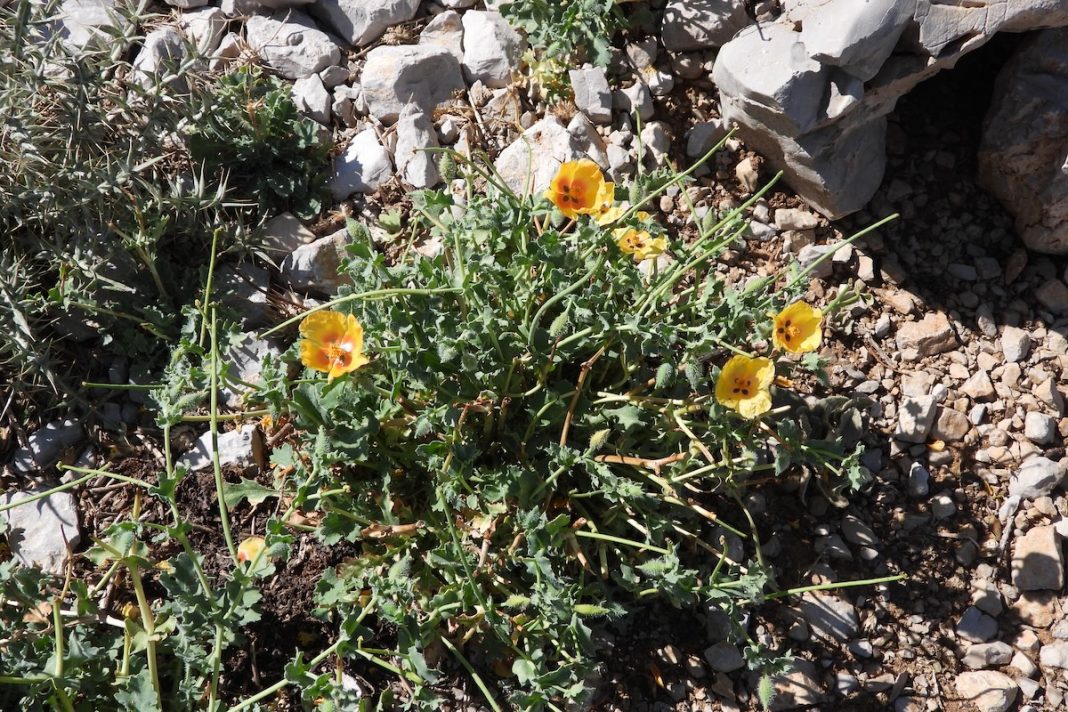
x=291 y=44
x=361 y=22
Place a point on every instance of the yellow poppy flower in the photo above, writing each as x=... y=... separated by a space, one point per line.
x=743 y=385
x=332 y=343
x=250 y=548
x=798 y=328
x=639 y=243
x=578 y=188
x=606 y=200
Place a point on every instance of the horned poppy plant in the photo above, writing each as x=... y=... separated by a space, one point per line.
x=798 y=328
x=743 y=385
x=332 y=342
x=639 y=243
x=578 y=188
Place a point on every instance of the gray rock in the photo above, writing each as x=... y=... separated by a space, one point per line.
x=857 y=532
x=862 y=649
x=243 y=289
x=1053 y=294
x=703 y=136
x=795 y=219
x=1054 y=655
x=314 y=267
x=810 y=255
x=204 y=28
x=161 y=52
x=701 y=24
x=635 y=99
x=290 y=43
x=47 y=444
x=799 y=687
x=537 y=155
x=989 y=691
x=395 y=76
x=416 y=167
x=919 y=483
x=984 y=655
x=1025 y=139
x=186 y=4
x=245 y=362
x=802 y=88
x=1040 y=428
x=829 y=617
x=976 y=626
x=491 y=49
x=361 y=22
x=656 y=143
x=1037 y=477
x=39 y=533
x=1037 y=560
x=1015 y=344
x=86 y=23
x=943 y=507
x=362 y=168
x=446 y=31
x=927 y=337
x=312 y=98
x=951 y=425
x=915 y=416
x=284 y=233
x=242 y=449
x=334 y=75
x=724 y=657
x=592 y=93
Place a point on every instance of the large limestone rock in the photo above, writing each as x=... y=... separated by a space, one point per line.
x=41 y=532
x=291 y=44
x=1025 y=141
x=395 y=76
x=811 y=90
x=363 y=21
x=530 y=162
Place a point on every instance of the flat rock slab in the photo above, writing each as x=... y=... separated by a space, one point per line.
x=1037 y=560
x=41 y=532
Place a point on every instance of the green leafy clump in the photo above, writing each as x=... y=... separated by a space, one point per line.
x=248 y=131
x=571 y=31
x=536 y=446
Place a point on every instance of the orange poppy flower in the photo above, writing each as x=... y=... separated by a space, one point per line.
x=332 y=343
x=578 y=188
x=250 y=548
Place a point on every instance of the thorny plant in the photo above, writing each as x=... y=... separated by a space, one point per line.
x=102 y=203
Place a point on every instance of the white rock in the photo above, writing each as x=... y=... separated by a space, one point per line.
x=186 y=4
x=242 y=448
x=245 y=361
x=915 y=416
x=656 y=143
x=634 y=99
x=703 y=136
x=701 y=24
x=537 y=155
x=989 y=691
x=1037 y=560
x=395 y=76
x=592 y=94
x=1054 y=655
x=795 y=219
x=798 y=687
x=458 y=4
x=89 y=22
x=344 y=105
x=284 y=233
x=291 y=44
x=1022 y=152
x=314 y=267
x=858 y=37
x=415 y=131
x=491 y=48
x=1015 y=344
x=446 y=31
x=362 y=168
x=161 y=52
x=204 y=28
x=229 y=49
x=984 y=655
x=46 y=445
x=39 y=533
x=312 y=98
x=1037 y=477
x=1040 y=428
x=334 y=75
x=588 y=140
x=829 y=616
x=363 y=21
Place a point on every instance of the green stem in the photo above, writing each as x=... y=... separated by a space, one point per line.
x=373 y=294
x=834 y=586
x=219 y=417
x=620 y=540
x=93 y=474
x=149 y=623
x=471 y=671
x=224 y=514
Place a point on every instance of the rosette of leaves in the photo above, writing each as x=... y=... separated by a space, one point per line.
x=249 y=133
x=535 y=446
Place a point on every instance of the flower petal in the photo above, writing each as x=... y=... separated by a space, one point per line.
x=757 y=404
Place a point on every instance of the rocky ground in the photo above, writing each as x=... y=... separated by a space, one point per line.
x=961 y=349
